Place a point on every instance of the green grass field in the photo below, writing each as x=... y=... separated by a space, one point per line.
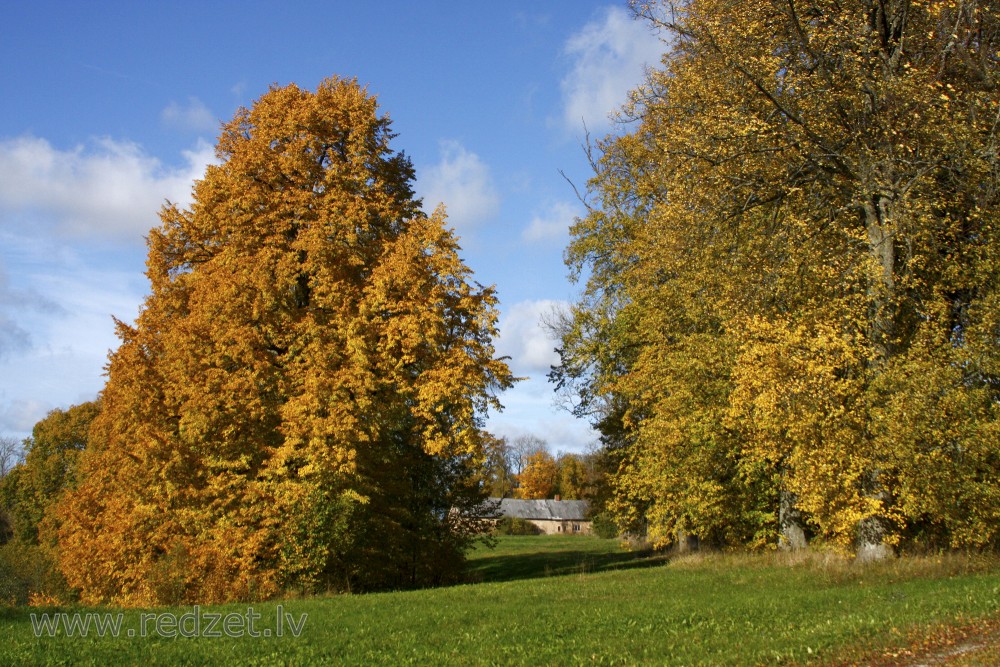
x=569 y=600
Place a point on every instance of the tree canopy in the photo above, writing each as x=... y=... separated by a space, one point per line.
x=791 y=311
x=300 y=401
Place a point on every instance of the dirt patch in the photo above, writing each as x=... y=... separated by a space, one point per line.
x=968 y=644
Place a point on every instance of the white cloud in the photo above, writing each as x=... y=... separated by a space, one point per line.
x=20 y=416
x=463 y=183
x=195 y=117
x=13 y=337
x=552 y=224
x=529 y=409
x=70 y=335
x=109 y=189
x=525 y=339
x=609 y=56
x=15 y=305
x=562 y=432
x=88 y=297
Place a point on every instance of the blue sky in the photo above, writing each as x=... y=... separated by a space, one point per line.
x=110 y=108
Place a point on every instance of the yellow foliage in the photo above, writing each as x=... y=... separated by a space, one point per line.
x=791 y=264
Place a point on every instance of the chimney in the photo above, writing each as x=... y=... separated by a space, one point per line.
x=557 y=497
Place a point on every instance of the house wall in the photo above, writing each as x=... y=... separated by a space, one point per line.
x=560 y=527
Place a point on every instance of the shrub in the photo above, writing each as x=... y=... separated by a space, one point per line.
x=6 y=529
x=604 y=526
x=28 y=572
x=510 y=525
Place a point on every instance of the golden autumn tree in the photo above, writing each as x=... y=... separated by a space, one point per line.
x=790 y=320
x=300 y=401
x=538 y=479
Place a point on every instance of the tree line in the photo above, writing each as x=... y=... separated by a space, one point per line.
x=39 y=475
x=523 y=467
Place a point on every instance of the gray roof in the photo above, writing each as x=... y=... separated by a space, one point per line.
x=558 y=510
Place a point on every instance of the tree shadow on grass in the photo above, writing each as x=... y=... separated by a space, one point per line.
x=556 y=563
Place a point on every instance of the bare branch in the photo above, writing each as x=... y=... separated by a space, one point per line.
x=11 y=454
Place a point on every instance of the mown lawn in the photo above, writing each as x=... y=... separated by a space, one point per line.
x=596 y=606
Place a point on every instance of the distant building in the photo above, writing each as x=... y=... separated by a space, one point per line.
x=553 y=517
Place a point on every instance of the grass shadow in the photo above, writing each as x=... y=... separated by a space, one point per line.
x=551 y=563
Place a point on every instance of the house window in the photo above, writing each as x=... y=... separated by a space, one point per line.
x=576 y=528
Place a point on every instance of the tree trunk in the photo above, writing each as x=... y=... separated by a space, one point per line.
x=793 y=535
x=685 y=542
x=880 y=225
x=879 y=216
x=871 y=540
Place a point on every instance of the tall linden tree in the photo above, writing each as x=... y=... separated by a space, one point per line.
x=300 y=401
x=791 y=325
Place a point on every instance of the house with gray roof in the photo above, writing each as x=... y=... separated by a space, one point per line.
x=553 y=517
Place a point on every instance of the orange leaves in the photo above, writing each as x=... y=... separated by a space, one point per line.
x=312 y=359
x=538 y=479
